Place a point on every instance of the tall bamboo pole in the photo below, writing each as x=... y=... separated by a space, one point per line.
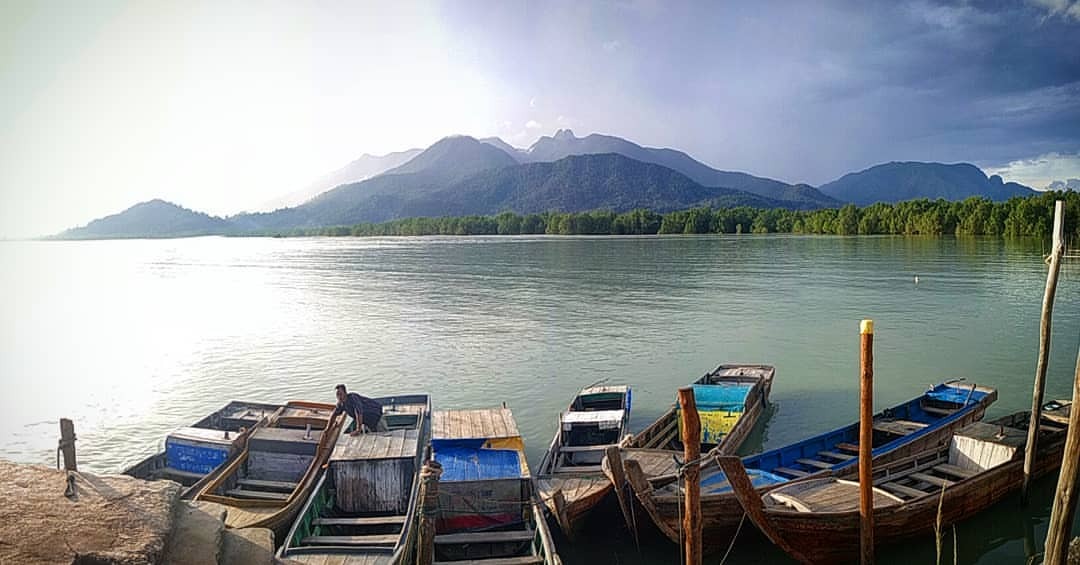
x=1064 y=508
x=1056 y=252
x=866 y=442
x=691 y=426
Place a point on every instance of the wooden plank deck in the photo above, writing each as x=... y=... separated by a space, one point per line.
x=485 y=423
x=379 y=540
x=486 y=537
x=899 y=427
x=358 y=521
x=395 y=444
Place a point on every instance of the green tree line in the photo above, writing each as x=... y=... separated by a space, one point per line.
x=1018 y=217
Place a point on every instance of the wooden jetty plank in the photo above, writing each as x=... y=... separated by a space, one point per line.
x=931 y=479
x=486 y=537
x=360 y=521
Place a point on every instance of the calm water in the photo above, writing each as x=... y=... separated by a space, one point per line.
x=133 y=338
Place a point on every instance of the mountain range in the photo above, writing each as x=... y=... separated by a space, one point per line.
x=460 y=175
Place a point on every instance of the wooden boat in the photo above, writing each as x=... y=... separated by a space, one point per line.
x=570 y=480
x=926 y=421
x=265 y=485
x=193 y=452
x=487 y=512
x=363 y=508
x=817 y=520
x=729 y=399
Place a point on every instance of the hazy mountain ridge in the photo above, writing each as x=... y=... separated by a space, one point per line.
x=362 y=168
x=897 y=181
x=460 y=175
x=153 y=218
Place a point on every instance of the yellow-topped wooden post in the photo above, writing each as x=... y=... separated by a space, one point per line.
x=866 y=442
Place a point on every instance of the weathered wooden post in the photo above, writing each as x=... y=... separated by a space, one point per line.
x=562 y=515
x=691 y=427
x=866 y=442
x=67 y=444
x=1056 y=252
x=1064 y=507
x=429 y=493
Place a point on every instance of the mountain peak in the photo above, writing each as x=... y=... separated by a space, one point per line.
x=564 y=135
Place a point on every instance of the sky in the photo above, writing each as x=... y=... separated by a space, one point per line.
x=221 y=106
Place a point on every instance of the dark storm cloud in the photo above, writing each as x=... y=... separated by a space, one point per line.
x=802 y=91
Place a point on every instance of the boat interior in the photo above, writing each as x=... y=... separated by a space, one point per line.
x=595 y=420
x=839 y=448
x=364 y=504
x=278 y=455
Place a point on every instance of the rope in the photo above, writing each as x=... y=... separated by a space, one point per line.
x=733 y=538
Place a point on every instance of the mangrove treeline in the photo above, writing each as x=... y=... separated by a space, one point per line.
x=1017 y=217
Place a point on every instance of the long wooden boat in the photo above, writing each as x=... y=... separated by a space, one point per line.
x=193 y=452
x=270 y=479
x=923 y=422
x=571 y=480
x=817 y=520
x=729 y=399
x=488 y=511
x=363 y=509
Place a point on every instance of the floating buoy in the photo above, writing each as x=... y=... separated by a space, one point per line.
x=916 y=279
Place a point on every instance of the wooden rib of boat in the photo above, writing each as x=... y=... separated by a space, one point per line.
x=265 y=485
x=571 y=480
x=192 y=453
x=817 y=521
x=363 y=508
x=924 y=422
x=729 y=399
x=488 y=512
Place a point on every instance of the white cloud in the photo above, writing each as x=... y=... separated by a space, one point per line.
x=612 y=46
x=1064 y=8
x=533 y=124
x=532 y=102
x=1050 y=171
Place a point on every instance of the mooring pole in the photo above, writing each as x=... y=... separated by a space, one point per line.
x=429 y=492
x=1056 y=253
x=1064 y=508
x=866 y=442
x=67 y=444
x=691 y=426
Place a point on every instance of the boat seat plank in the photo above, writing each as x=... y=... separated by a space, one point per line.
x=899 y=427
x=953 y=470
x=852 y=447
x=486 y=537
x=244 y=493
x=577 y=469
x=793 y=472
x=931 y=479
x=835 y=455
x=381 y=540
x=902 y=489
x=522 y=560
x=267 y=485
x=357 y=521
x=815 y=463
x=938 y=411
x=583 y=448
x=170 y=472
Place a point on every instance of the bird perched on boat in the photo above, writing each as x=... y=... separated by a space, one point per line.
x=365 y=412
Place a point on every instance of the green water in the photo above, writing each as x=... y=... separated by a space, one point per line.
x=133 y=338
